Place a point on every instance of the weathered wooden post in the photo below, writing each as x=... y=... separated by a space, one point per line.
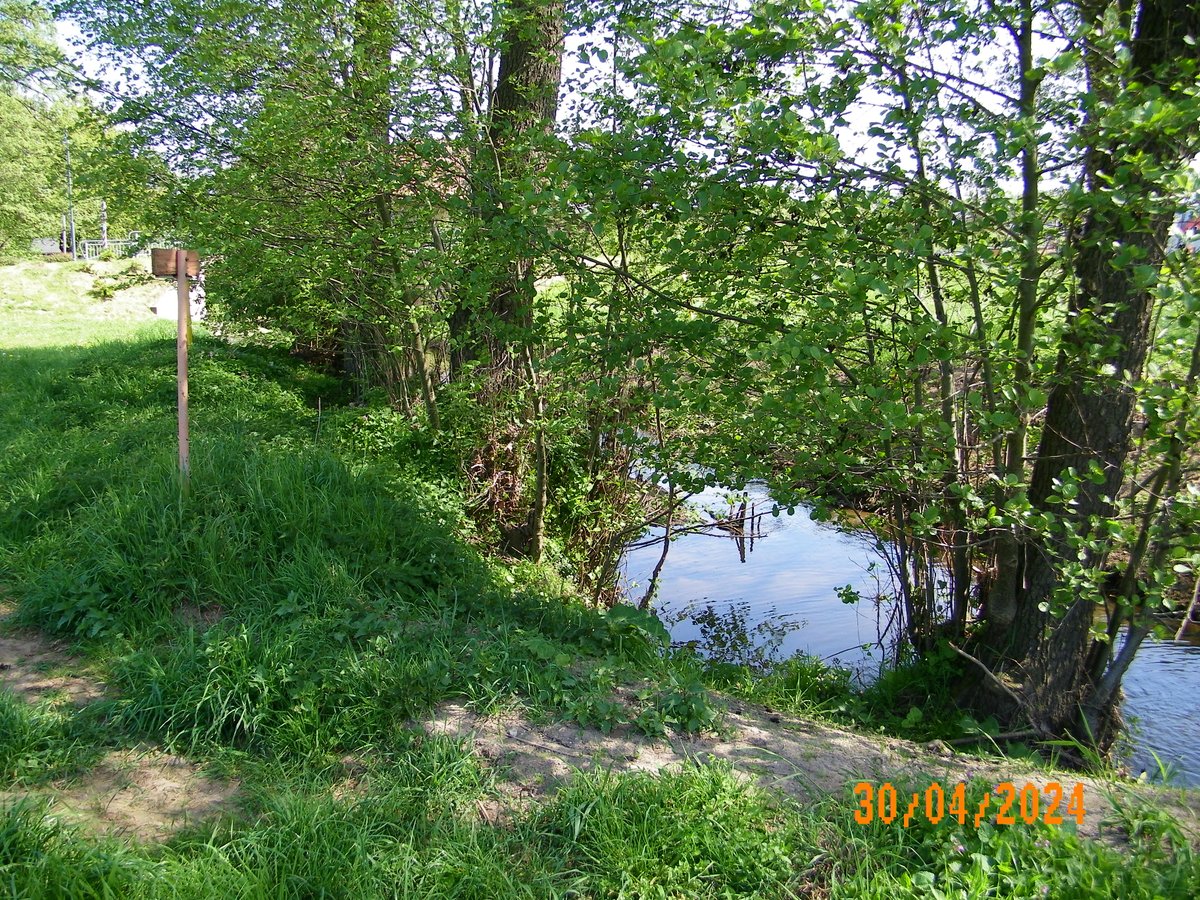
x=179 y=264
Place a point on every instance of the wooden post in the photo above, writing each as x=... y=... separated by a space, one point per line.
x=180 y=264
x=181 y=347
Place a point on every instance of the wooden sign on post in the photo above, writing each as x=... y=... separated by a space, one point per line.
x=180 y=264
x=164 y=265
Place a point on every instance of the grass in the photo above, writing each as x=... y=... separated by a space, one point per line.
x=915 y=701
x=314 y=591
x=700 y=833
x=44 y=740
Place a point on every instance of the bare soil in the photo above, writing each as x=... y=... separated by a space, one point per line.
x=800 y=758
x=36 y=669
x=144 y=794
x=147 y=794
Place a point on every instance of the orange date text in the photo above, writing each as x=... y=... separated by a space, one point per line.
x=1004 y=804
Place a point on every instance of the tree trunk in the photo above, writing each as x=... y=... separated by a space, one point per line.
x=496 y=327
x=1091 y=404
x=525 y=104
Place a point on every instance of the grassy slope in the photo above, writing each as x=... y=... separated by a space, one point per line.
x=327 y=545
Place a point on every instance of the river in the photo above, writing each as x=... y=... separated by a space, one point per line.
x=778 y=594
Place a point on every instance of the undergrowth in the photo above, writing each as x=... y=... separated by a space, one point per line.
x=313 y=586
x=314 y=590
x=915 y=700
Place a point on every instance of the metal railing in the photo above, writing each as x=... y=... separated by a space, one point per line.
x=93 y=249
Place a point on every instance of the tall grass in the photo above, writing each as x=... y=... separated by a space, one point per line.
x=44 y=740
x=699 y=833
x=340 y=603
x=325 y=545
x=313 y=591
x=262 y=530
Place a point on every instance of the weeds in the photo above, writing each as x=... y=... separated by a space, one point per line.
x=317 y=590
x=42 y=741
x=701 y=833
x=951 y=860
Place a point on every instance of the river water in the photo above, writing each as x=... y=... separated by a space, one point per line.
x=778 y=594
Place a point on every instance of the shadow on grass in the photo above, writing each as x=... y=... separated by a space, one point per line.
x=288 y=601
x=77 y=420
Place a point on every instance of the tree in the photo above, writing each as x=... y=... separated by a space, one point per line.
x=875 y=251
x=30 y=139
x=1071 y=680
x=30 y=158
x=904 y=319
x=26 y=47
x=507 y=167
x=362 y=183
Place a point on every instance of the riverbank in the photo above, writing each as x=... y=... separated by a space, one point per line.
x=303 y=678
x=773 y=593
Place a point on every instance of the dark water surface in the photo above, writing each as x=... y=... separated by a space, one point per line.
x=782 y=589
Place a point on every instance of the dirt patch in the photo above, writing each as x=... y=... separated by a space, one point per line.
x=356 y=781
x=201 y=618
x=143 y=794
x=800 y=758
x=34 y=668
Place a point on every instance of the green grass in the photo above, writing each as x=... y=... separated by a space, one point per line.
x=45 y=740
x=915 y=701
x=698 y=833
x=327 y=541
x=315 y=590
x=49 y=304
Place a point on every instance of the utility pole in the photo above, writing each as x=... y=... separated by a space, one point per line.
x=103 y=224
x=70 y=195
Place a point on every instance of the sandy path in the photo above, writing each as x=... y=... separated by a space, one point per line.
x=142 y=793
x=801 y=758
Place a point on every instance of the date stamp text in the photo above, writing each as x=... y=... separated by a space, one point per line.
x=1005 y=804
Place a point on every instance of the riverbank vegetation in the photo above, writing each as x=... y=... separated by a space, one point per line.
x=316 y=593
x=923 y=257
x=926 y=259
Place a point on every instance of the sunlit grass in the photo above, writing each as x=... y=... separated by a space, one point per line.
x=49 y=305
x=314 y=592
x=416 y=832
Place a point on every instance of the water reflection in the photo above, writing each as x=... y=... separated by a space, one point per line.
x=734 y=633
x=755 y=601
x=790 y=577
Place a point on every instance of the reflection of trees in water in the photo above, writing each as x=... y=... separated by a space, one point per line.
x=734 y=633
x=742 y=525
x=727 y=636
x=912 y=595
x=906 y=585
